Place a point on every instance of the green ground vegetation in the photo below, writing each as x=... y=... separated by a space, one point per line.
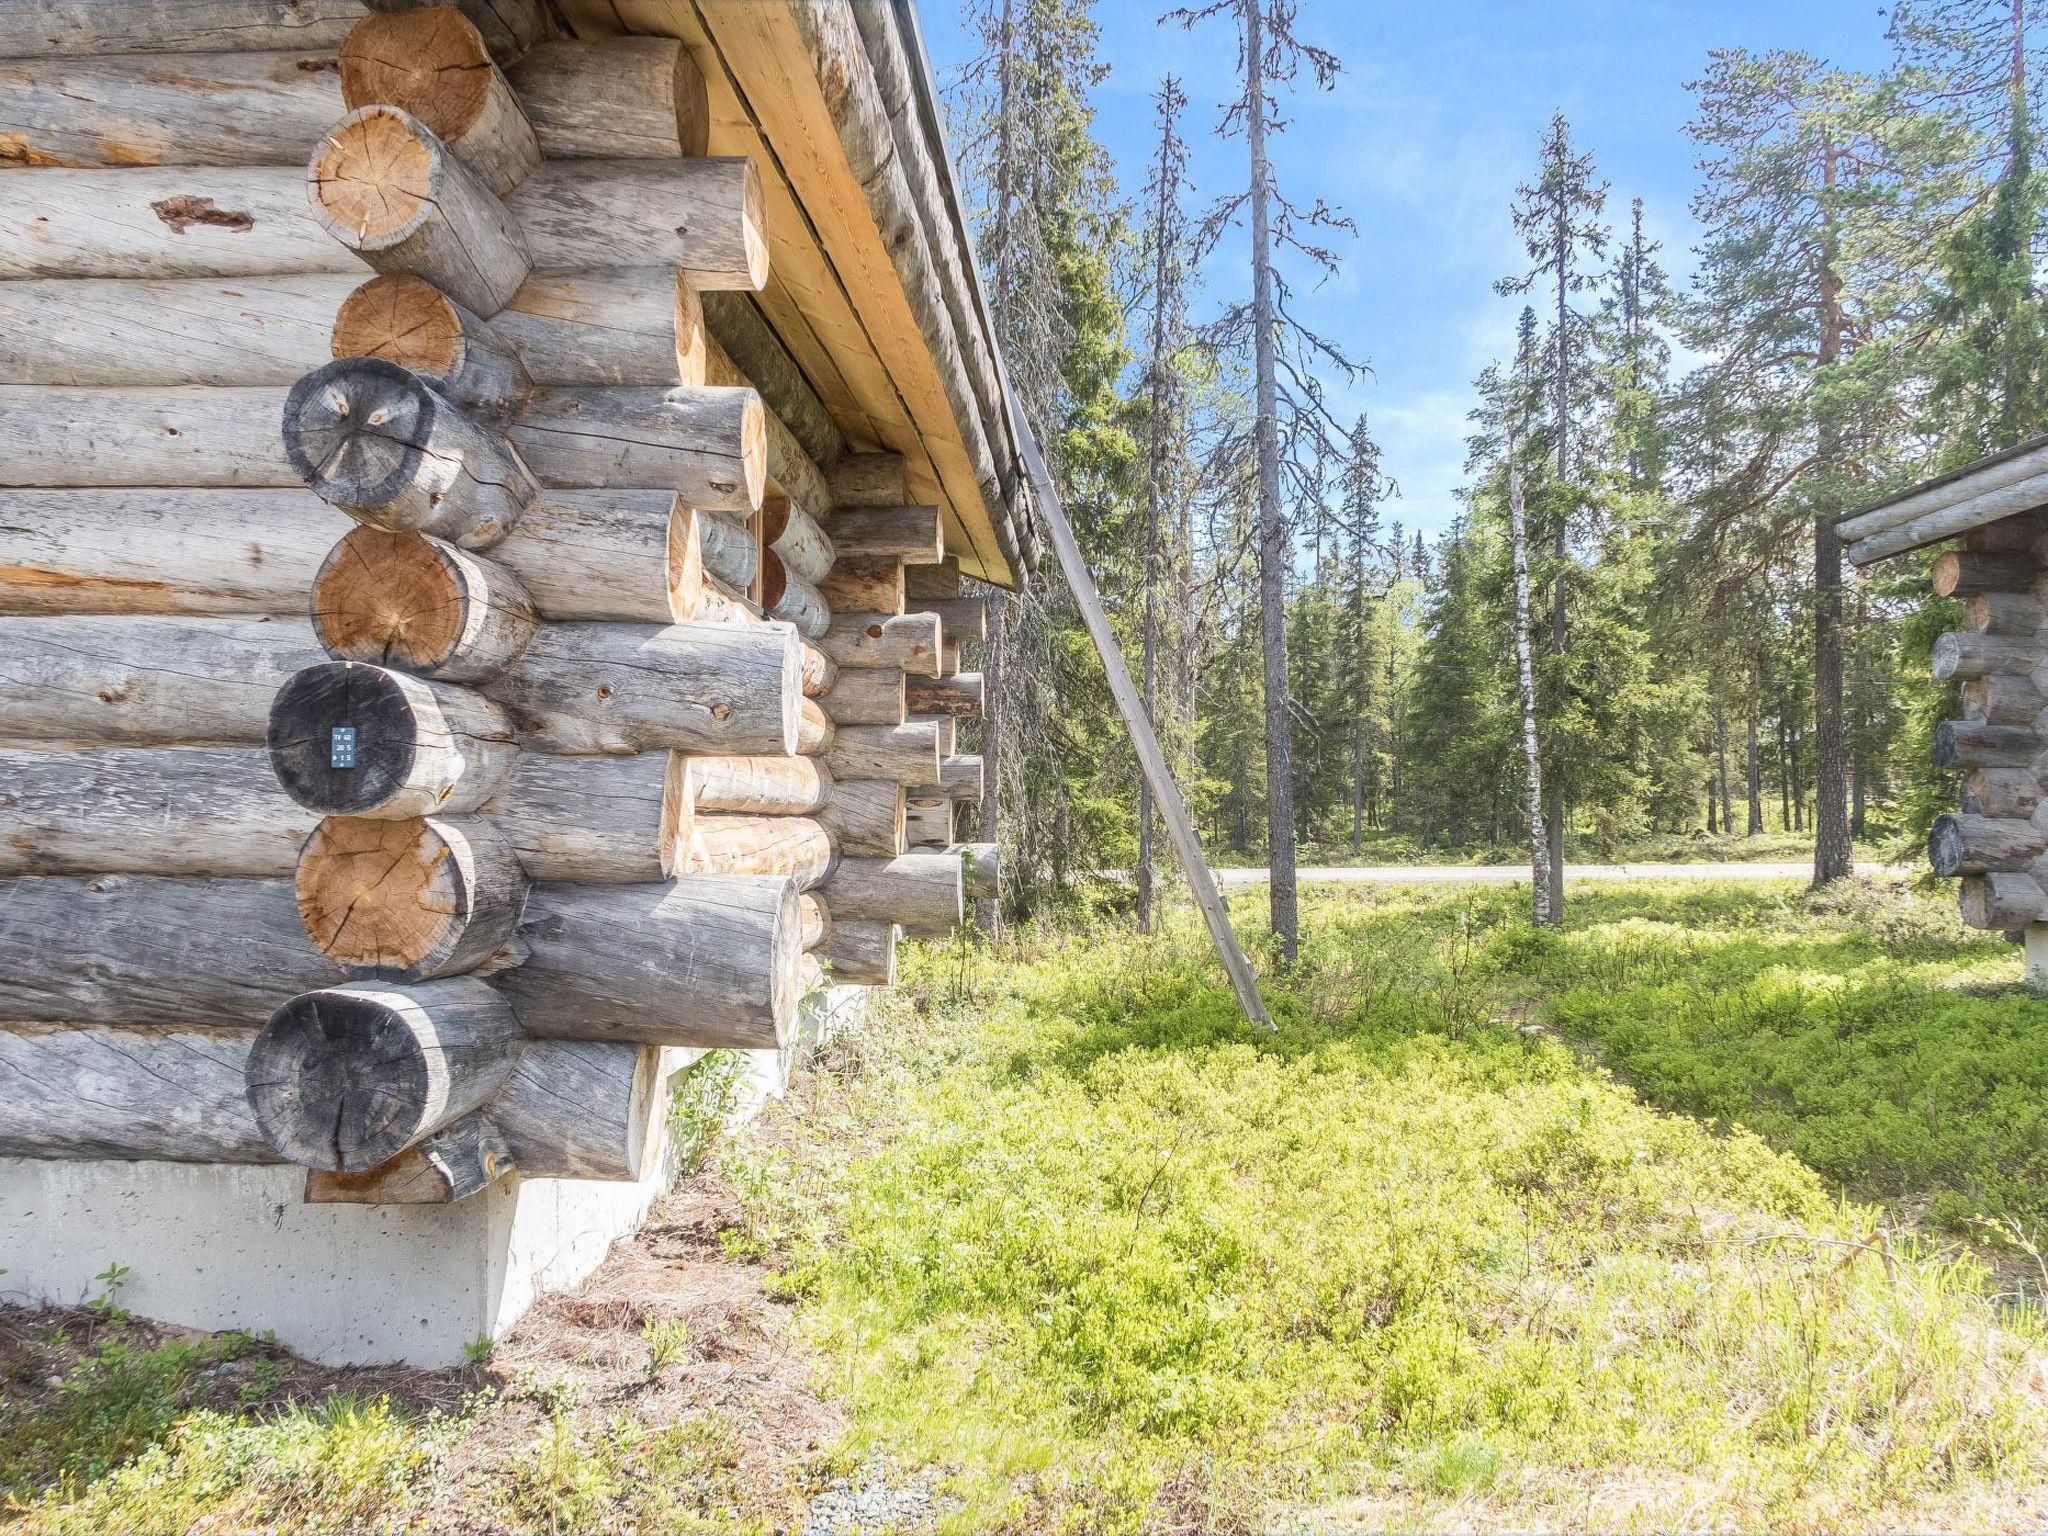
x=1674 y=1219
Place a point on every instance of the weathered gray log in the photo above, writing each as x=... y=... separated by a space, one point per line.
x=145 y=681
x=945 y=729
x=53 y=28
x=117 y=437
x=147 y=810
x=728 y=550
x=2003 y=698
x=614 y=98
x=141 y=949
x=418 y=748
x=2019 y=614
x=965 y=618
x=98 y=332
x=622 y=326
x=866 y=817
x=90 y=1091
x=434 y=64
x=199 y=109
x=787 y=596
x=382 y=185
x=377 y=441
x=792 y=533
x=593 y=820
x=864 y=584
x=754 y=352
x=921 y=892
x=960 y=778
x=594 y=554
x=2001 y=792
x=928 y=822
x=925 y=582
x=907 y=642
x=861 y=952
x=1964 y=573
x=981 y=866
x=754 y=786
x=867 y=696
x=625 y=688
x=705 y=443
x=406 y=320
x=914 y=535
x=701 y=214
x=582 y=1109
x=163 y=222
x=1990 y=497
x=1973 y=744
x=1966 y=655
x=344 y=1077
x=415 y=899
x=796 y=846
x=791 y=471
x=958 y=695
x=949 y=658
x=2002 y=903
x=461 y=1159
x=1980 y=845
x=420 y=604
x=908 y=753
x=707 y=961
x=870 y=480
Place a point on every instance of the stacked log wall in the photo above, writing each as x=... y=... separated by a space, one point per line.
x=616 y=686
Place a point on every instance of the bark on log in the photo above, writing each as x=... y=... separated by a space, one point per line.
x=907 y=642
x=85 y=1091
x=926 y=582
x=609 y=328
x=145 y=681
x=380 y=443
x=346 y=1077
x=149 y=810
x=1961 y=573
x=705 y=443
x=134 y=437
x=1980 y=845
x=2001 y=792
x=416 y=603
x=593 y=820
x=2003 y=698
x=406 y=320
x=908 y=753
x=420 y=748
x=796 y=846
x=864 y=584
x=416 y=899
x=383 y=186
x=98 y=332
x=2002 y=903
x=793 y=534
x=1972 y=744
x=790 y=598
x=614 y=98
x=913 y=535
x=2018 y=614
x=141 y=949
x=958 y=696
x=433 y=64
x=868 y=696
x=866 y=817
x=755 y=786
x=1966 y=655
x=623 y=688
x=815 y=730
x=965 y=618
x=861 y=952
x=920 y=892
x=168 y=222
x=870 y=480
x=928 y=822
x=708 y=961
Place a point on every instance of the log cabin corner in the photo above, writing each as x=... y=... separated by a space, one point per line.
x=485 y=495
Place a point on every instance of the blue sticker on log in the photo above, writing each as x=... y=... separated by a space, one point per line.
x=341 y=747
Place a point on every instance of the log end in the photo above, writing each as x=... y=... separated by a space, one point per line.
x=415 y=898
x=372 y=177
x=401 y=319
x=430 y=61
x=1947 y=850
x=353 y=431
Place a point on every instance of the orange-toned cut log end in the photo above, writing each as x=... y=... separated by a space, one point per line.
x=430 y=61
x=373 y=174
x=402 y=319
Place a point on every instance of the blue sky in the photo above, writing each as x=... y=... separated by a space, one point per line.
x=1432 y=124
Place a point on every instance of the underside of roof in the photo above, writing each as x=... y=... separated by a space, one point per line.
x=872 y=298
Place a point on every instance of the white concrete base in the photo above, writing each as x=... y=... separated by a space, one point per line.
x=217 y=1247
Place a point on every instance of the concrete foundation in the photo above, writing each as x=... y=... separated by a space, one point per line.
x=218 y=1247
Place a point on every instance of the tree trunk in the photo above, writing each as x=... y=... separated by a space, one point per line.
x=1545 y=913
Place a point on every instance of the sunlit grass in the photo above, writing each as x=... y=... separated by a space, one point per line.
x=1080 y=1235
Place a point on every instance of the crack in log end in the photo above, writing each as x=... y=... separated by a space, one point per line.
x=181 y=213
